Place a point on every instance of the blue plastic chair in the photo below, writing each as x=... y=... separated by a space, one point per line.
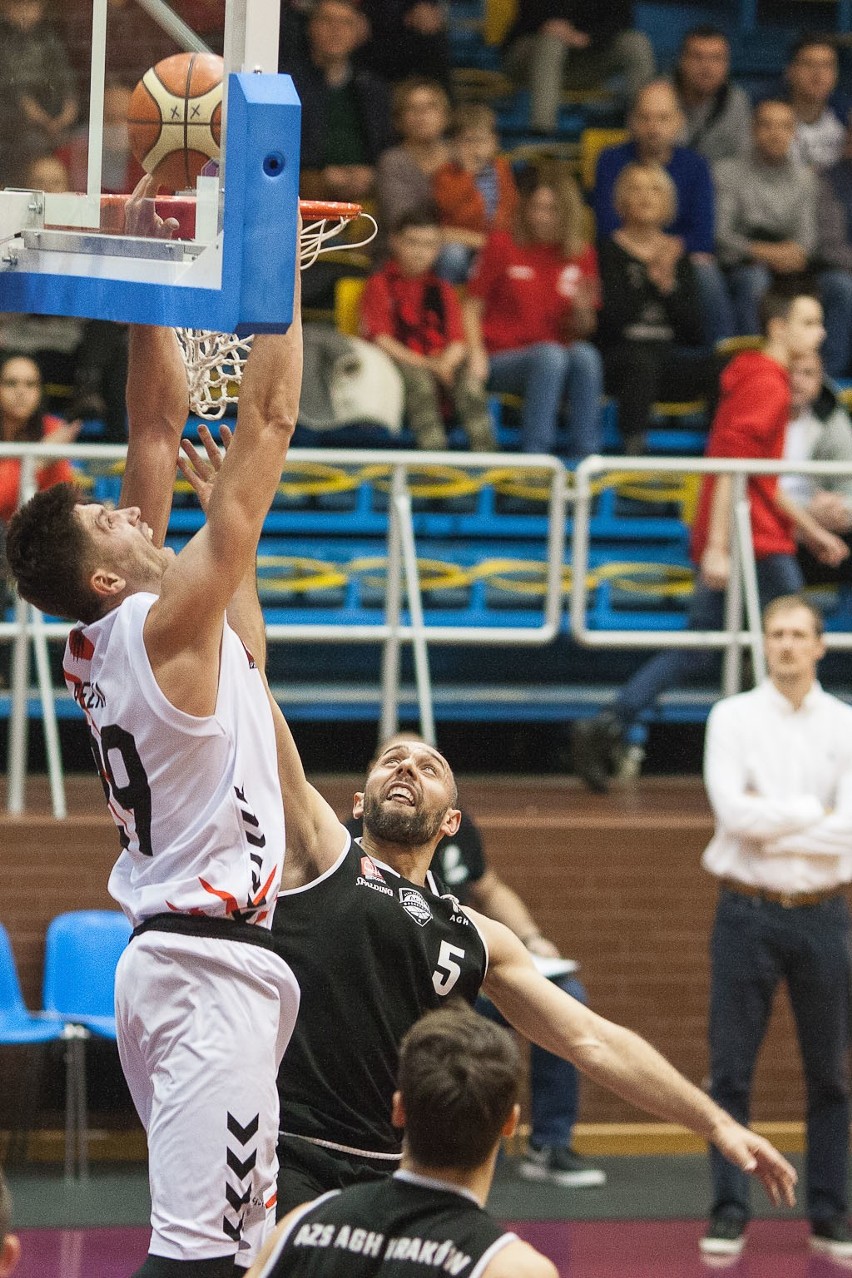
x=21 y=1028
x=81 y=954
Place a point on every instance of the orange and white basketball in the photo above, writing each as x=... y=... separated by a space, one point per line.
x=175 y=118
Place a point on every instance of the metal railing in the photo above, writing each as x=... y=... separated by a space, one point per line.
x=402 y=592
x=742 y=591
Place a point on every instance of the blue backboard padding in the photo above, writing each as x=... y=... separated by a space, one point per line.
x=259 y=236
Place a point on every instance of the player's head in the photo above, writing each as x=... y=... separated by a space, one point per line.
x=78 y=559
x=10 y=1247
x=458 y=1088
x=793 y=639
x=791 y=320
x=416 y=241
x=410 y=795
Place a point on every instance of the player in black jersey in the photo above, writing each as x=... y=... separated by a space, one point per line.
x=457 y=1098
x=364 y=970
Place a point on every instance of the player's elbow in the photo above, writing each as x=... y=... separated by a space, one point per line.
x=281 y=421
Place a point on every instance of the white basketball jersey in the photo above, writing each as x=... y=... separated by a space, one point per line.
x=197 y=801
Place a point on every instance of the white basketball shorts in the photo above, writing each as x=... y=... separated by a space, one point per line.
x=202 y=1027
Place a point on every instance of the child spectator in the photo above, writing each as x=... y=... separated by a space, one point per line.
x=421 y=115
x=475 y=192
x=650 y=322
x=532 y=301
x=22 y=420
x=38 y=103
x=415 y=318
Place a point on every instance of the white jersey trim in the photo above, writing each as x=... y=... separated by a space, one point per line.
x=326 y=874
x=287 y=1230
x=342 y=1149
x=435 y=1182
x=487 y=1256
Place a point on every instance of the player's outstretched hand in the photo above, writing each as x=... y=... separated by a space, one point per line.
x=200 y=472
x=754 y=1154
x=141 y=216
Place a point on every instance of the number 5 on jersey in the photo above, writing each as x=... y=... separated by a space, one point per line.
x=447 y=970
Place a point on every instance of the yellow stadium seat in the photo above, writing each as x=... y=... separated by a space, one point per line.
x=499 y=16
x=347 y=305
x=592 y=142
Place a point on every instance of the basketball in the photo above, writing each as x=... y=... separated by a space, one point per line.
x=175 y=117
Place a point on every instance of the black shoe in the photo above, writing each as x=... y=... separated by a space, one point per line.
x=595 y=748
x=724 y=1236
x=559 y=1165
x=833 y=1236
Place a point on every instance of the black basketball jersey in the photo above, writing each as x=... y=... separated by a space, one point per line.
x=372 y=952
x=398 y=1228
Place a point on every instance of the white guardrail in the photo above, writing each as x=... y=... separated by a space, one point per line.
x=403 y=586
x=402 y=590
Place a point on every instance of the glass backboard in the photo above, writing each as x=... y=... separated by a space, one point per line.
x=211 y=244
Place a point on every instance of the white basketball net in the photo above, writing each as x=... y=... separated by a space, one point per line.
x=215 y=361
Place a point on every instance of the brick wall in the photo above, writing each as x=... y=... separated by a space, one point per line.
x=616 y=883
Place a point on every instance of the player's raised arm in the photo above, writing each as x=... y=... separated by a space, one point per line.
x=618 y=1059
x=183 y=627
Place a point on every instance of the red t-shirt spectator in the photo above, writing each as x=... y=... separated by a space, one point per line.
x=527 y=291
x=421 y=312
x=751 y=421
x=56 y=472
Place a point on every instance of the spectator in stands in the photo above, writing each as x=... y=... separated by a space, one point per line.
x=407 y=37
x=461 y=866
x=811 y=76
x=575 y=44
x=716 y=112
x=834 y=257
x=765 y=213
x=751 y=421
x=415 y=317
x=47 y=173
x=650 y=325
x=120 y=170
x=10 y=1246
x=655 y=123
x=421 y=117
x=346 y=119
x=819 y=430
x=474 y=191
x=38 y=100
x=22 y=420
x=531 y=306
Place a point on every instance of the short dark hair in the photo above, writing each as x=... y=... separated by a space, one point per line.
x=703 y=31
x=424 y=215
x=769 y=100
x=786 y=603
x=812 y=40
x=5 y=1209
x=777 y=301
x=49 y=555
x=458 y=1074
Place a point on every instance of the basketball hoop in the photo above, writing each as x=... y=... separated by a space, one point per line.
x=215 y=361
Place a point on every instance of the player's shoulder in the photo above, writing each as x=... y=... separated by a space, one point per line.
x=519 y=1260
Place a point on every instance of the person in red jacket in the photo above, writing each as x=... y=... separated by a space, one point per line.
x=751 y=421
x=22 y=420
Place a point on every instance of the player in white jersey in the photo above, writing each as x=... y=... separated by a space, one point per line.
x=184 y=743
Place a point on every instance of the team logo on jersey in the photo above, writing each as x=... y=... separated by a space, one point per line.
x=369 y=869
x=415 y=905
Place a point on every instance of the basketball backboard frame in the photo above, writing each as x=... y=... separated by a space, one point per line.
x=237 y=272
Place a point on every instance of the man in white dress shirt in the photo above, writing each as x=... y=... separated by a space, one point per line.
x=778 y=770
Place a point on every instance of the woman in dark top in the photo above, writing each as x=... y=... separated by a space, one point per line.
x=650 y=322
